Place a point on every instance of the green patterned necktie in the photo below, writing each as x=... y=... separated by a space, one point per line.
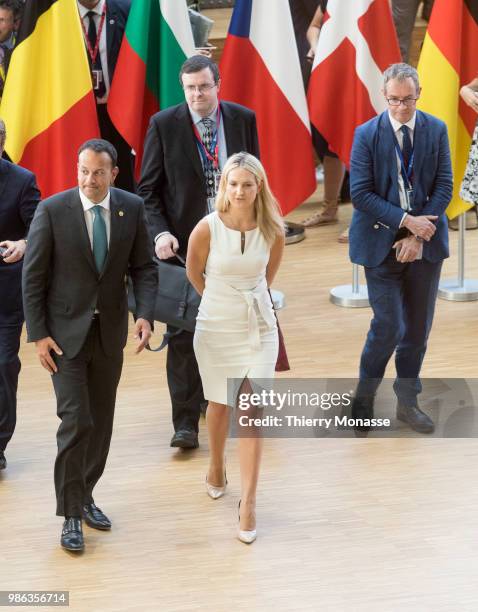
x=100 y=239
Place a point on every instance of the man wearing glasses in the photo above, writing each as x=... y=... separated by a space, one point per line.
x=401 y=183
x=185 y=148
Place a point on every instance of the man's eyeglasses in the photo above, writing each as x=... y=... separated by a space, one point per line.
x=404 y=101
x=190 y=89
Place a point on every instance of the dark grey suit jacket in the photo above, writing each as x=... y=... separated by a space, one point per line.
x=172 y=178
x=61 y=287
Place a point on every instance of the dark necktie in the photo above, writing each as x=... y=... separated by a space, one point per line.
x=207 y=137
x=406 y=145
x=100 y=90
x=100 y=239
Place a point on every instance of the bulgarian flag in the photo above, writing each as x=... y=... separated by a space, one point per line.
x=448 y=61
x=48 y=104
x=158 y=39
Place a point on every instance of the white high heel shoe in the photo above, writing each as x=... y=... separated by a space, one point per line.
x=246 y=536
x=216 y=492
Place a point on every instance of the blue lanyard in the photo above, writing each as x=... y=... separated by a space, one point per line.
x=406 y=172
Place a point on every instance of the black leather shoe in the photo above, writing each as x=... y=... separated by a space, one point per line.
x=3 y=461
x=72 y=535
x=362 y=409
x=418 y=420
x=185 y=438
x=95 y=518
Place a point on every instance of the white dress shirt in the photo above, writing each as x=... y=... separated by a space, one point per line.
x=98 y=10
x=396 y=125
x=88 y=205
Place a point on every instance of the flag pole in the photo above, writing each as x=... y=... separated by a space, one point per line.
x=459 y=289
x=350 y=296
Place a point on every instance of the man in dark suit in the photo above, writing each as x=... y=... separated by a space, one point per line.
x=19 y=197
x=185 y=148
x=82 y=244
x=104 y=23
x=401 y=184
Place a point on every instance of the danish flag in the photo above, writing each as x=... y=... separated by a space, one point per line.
x=357 y=43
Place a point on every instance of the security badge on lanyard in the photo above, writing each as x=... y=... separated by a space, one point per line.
x=210 y=156
x=407 y=175
x=96 y=73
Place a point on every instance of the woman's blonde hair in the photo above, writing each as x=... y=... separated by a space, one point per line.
x=268 y=215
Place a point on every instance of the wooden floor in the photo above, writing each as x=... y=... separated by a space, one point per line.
x=344 y=524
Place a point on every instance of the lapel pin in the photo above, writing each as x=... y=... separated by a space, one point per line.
x=112 y=21
x=121 y=213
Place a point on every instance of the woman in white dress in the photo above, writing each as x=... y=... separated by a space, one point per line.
x=233 y=256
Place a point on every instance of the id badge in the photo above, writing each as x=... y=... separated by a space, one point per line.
x=409 y=196
x=97 y=77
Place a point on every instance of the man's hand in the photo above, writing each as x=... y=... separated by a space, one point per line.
x=44 y=346
x=421 y=226
x=408 y=249
x=142 y=331
x=166 y=246
x=15 y=250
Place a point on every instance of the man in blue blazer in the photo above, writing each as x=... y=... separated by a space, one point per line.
x=401 y=183
x=19 y=197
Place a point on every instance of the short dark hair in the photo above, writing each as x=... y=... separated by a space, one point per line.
x=12 y=5
x=196 y=63
x=98 y=145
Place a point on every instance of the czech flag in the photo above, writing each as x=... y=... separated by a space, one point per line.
x=260 y=69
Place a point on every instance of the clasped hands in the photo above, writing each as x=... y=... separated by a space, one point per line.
x=422 y=228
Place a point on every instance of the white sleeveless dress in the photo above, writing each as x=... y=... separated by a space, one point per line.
x=236 y=331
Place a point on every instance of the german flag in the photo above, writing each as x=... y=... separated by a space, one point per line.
x=449 y=60
x=48 y=104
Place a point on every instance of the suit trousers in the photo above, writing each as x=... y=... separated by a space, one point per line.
x=184 y=381
x=85 y=388
x=9 y=371
x=125 y=179
x=402 y=297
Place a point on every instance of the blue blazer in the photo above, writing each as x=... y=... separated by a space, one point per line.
x=19 y=197
x=374 y=187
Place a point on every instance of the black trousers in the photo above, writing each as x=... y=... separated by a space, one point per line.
x=9 y=371
x=125 y=179
x=85 y=389
x=184 y=382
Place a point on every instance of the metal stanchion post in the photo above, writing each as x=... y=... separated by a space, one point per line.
x=459 y=289
x=350 y=296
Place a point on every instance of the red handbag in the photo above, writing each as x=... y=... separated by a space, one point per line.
x=282 y=364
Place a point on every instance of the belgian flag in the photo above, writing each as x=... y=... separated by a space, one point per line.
x=449 y=60
x=48 y=104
